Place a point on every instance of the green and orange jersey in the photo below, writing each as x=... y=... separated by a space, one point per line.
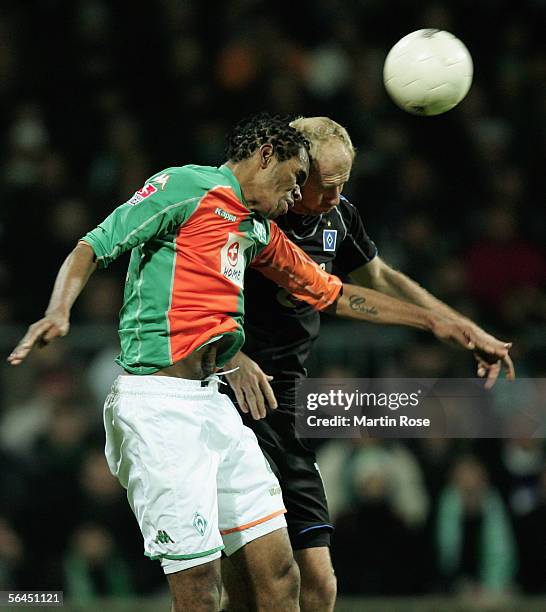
x=191 y=238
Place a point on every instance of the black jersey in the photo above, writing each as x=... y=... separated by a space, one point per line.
x=280 y=330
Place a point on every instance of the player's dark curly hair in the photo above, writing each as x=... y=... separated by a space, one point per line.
x=252 y=132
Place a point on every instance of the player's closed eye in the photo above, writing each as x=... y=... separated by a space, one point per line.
x=332 y=189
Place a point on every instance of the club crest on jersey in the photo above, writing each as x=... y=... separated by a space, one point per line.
x=142 y=194
x=260 y=232
x=329 y=237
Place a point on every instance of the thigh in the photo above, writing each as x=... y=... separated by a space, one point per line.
x=159 y=447
x=250 y=502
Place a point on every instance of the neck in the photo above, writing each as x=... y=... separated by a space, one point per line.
x=244 y=172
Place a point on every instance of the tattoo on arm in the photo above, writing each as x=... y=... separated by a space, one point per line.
x=358 y=304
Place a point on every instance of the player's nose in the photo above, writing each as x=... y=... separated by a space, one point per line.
x=296 y=193
x=332 y=198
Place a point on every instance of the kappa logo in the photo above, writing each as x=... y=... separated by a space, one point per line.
x=163 y=537
x=225 y=215
x=200 y=523
x=162 y=180
x=329 y=238
x=142 y=194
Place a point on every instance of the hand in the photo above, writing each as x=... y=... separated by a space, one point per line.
x=490 y=353
x=490 y=367
x=251 y=386
x=491 y=371
x=467 y=335
x=42 y=333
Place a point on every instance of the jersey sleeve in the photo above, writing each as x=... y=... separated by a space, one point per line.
x=284 y=263
x=357 y=248
x=164 y=203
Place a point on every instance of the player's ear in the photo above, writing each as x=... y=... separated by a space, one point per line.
x=266 y=154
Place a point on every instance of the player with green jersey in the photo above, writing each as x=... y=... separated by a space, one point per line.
x=191 y=237
x=195 y=476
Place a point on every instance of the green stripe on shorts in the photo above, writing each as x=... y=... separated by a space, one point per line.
x=185 y=557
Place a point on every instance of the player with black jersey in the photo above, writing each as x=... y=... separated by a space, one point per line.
x=280 y=332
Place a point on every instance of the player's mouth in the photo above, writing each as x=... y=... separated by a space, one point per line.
x=328 y=205
x=285 y=205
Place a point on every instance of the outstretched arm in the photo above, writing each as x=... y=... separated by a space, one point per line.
x=251 y=384
x=71 y=279
x=370 y=305
x=287 y=265
x=126 y=227
x=380 y=276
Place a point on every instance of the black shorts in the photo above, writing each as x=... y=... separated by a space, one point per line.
x=294 y=463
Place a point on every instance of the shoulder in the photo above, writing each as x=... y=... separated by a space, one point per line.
x=351 y=217
x=344 y=217
x=187 y=173
x=189 y=179
x=347 y=209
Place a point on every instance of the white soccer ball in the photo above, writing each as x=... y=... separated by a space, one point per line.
x=428 y=72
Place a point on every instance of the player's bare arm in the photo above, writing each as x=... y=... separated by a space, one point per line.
x=290 y=267
x=370 y=305
x=380 y=276
x=251 y=385
x=287 y=265
x=71 y=279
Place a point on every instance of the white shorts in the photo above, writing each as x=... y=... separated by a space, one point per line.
x=195 y=476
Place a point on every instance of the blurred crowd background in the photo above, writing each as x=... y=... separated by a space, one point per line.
x=96 y=96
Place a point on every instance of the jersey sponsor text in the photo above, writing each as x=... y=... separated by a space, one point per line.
x=142 y=194
x=232 y=258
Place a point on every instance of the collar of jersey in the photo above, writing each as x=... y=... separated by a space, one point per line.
x=223 y=169
x=305 y=231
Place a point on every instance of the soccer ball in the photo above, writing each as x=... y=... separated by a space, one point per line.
x=428 y=72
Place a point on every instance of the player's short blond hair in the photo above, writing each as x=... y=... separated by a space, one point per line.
x=319 y=130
